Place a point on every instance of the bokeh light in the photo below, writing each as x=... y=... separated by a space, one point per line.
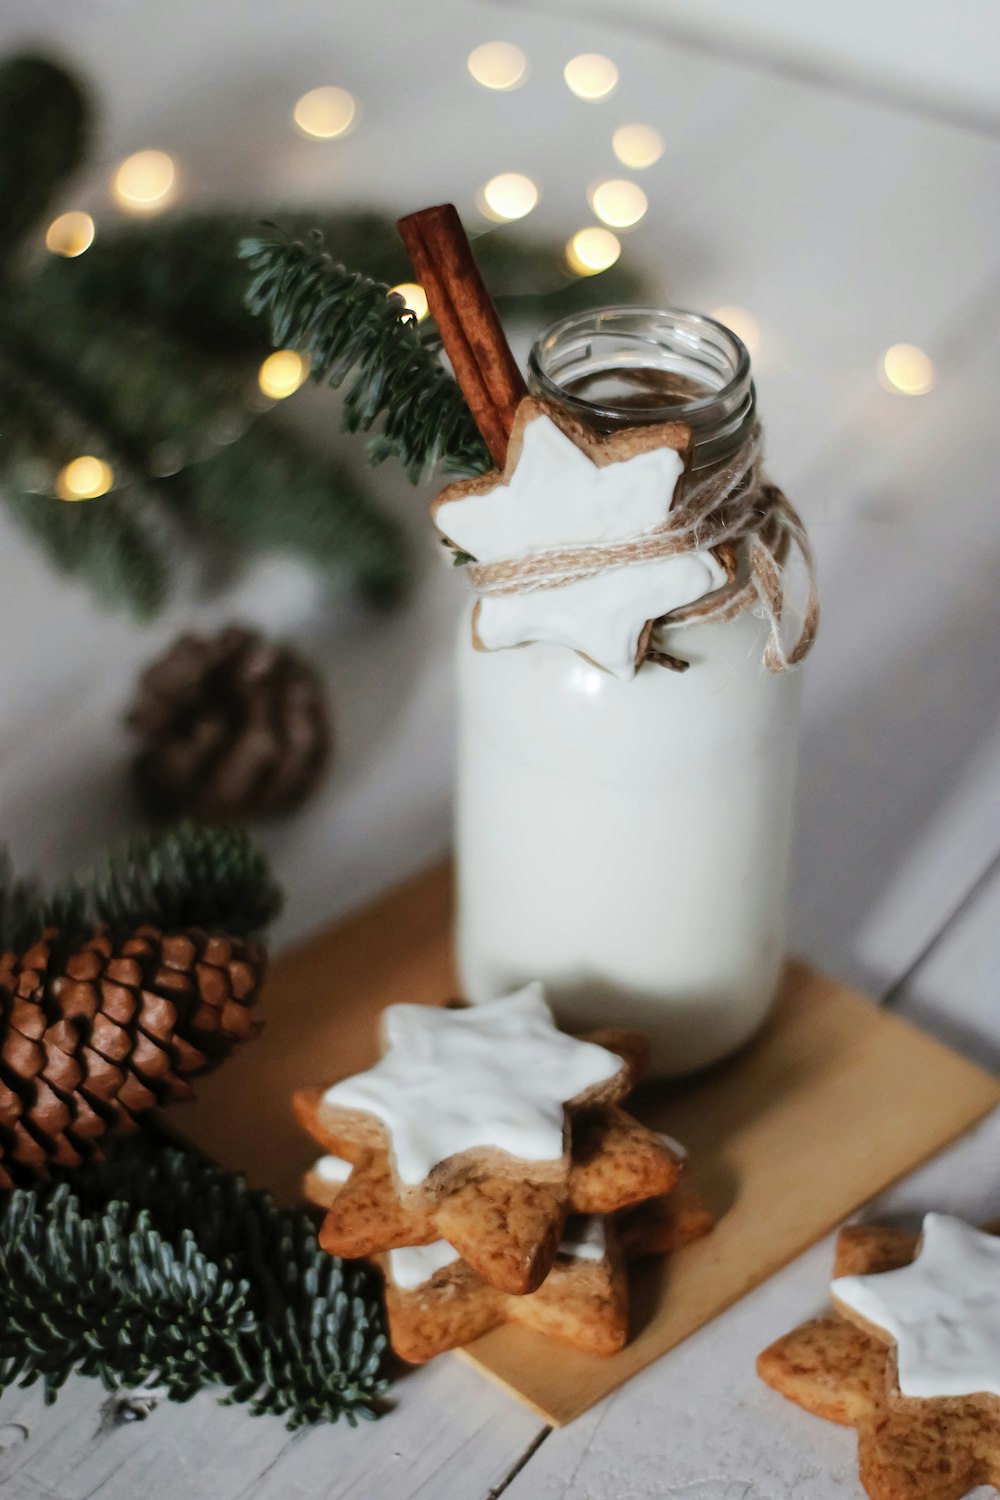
x=145 y=182
x=282 y=373
x=71 y=234
x=414 y=296
x=740 y=322
x=618 y=202
x=325 y=113
x=498 y=65
x=84 y=478
x=591 y=76
x=637 y=145
x=592 y=250
x=510 y=195
x=906 y=370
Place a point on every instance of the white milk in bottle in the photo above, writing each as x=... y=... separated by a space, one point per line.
x=623 y=835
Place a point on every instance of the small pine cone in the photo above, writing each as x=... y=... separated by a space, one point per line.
x=92 y=1035
x=230 y=727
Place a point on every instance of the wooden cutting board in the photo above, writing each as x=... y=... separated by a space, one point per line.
x=833 y=1101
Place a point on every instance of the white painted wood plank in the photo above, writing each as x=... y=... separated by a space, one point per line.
x=955 y=992
x=451 y=1436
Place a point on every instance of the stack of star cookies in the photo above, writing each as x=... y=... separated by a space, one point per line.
x=485 y=1163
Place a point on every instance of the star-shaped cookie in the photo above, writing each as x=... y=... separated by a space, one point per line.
x=567 y=490
x=436 y=1302
x=844 y=1368
x=942 y=1311
x=490 y=1065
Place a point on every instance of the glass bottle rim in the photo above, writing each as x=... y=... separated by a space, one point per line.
x=734 y=396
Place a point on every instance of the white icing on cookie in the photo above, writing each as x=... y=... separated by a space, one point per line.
x=557 y=497
x=494 y=1075
x=943 y=1310
x=584 y=1238
x=603 y=616
x=412 y=1265
x=332 y=1169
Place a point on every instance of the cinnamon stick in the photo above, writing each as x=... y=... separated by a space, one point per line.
x=465 y=316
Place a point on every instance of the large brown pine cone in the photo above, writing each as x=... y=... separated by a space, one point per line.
x=230 y=727
x=92 y=1036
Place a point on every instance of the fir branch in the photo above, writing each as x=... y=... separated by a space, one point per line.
x=189 y=875
x=180 y=274
x=165 y=400
x=155 y=1266
x=243 y=483
x=141 y=352
x=103 y=541
x=26 y=910
x=350 y=325
x=48 y=420
x=324 y=514
x=44 y=129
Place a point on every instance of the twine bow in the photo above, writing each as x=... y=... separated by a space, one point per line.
x=734 y=504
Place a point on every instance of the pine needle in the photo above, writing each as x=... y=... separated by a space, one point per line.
x=188 y=875
x=156 y=1267
x=352 y=326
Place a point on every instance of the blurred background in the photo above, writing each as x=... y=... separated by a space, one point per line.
x=824 y=180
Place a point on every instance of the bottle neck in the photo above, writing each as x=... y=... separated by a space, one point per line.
x=626 y=367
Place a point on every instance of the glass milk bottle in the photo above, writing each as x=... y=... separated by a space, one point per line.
x=627 y=842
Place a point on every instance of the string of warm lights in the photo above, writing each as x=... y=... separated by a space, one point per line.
x=591 y=76
x=509 y=195
x=592 y=250
x=618 y=202
x=282 y=373
x=637 y=146
x=146 y=182
x=906 y=370
x=84 y=478
x=324 y=114
x=498 y=65
x=70 y=234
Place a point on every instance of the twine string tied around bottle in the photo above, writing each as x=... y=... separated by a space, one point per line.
x=734 y=505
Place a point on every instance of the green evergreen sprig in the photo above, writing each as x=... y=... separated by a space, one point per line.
x=142 y=352
x=155 y=1268
x=81 y=372
x=188 y=875
x=44 y=130
x=117 y=545
x=350 y=325
x=181 y=272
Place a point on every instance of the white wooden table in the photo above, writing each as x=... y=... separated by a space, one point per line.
x=844 y=225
